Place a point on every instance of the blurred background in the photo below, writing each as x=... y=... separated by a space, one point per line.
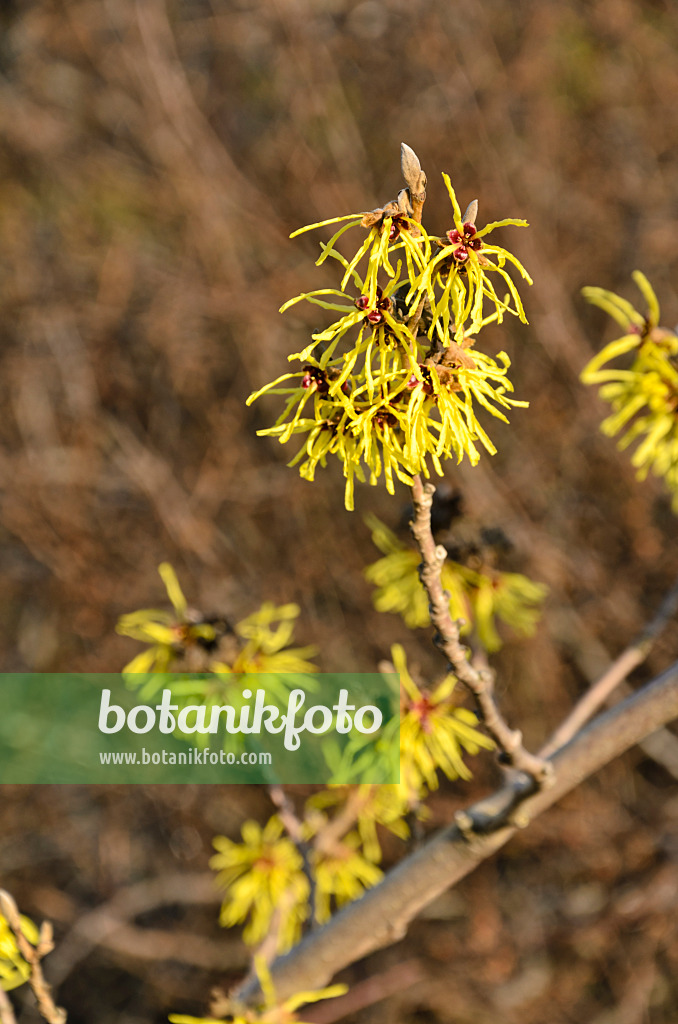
x=154 y=157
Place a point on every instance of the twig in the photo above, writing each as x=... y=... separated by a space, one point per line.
x=103 y=925
x=287 y=814
x=478 y=681
x=328 y=838
x=413 y=322
x=52 y=1013
x=6 y=1009
x=634 y=655
x=367 y=992
x=294 y=830
x=383 y=914
x=331 y=835
x=268 y=949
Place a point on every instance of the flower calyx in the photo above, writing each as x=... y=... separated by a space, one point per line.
x=374 y=315
x=464 y=240
x=398 y=210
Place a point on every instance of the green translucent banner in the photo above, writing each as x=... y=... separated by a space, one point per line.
x=179 y=728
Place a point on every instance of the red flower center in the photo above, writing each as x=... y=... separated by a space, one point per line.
x=314 y=376
x=464 y=240
x=422 y=709
x=376 y=315
x=426 y=384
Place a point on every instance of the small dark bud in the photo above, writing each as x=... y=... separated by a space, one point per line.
x=426 y=384
x=384 y=418
x=314 y=376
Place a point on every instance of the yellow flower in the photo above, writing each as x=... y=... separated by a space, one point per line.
x=376 y=805
x=14 y=970
x=644 y=397
x=267 y=633
x=262 y=647
x=390 y=230
x=460 y=269
x=167 y=633
x=265 y=884
x=476 y=597
x=399 y=588
x=342 y=875
x=508 y=596
x=262 y=878
x=392 y=383
x=434 y=733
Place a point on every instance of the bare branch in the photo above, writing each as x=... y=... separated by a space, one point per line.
x=479 y=682
x=634 y=655
x=108 y=924
x=6 y=1009
x=295 y=831
x=368 y=992
x=287 y=814
x=383 y=914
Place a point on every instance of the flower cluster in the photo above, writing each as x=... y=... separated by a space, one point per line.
x=341 y=875
x=184 y=637
x=643 y=396
x=478 y=595
x=266 y=879
x=395 y=381
x=262 y=876
x=274 y=885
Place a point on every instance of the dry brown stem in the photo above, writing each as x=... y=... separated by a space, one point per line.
x=479 y=682
x=6 y=1009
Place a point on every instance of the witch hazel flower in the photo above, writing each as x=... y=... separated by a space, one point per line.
x=395 y=384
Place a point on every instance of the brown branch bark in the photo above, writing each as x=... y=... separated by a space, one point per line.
x=634 y=655
x=384 y=913
x=479 y=682
x=7 y=1015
